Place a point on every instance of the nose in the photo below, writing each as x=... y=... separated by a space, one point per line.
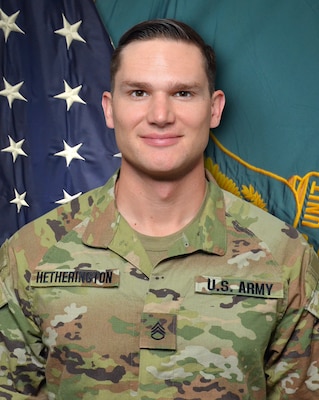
x=160 y=110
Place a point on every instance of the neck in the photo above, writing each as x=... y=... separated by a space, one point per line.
x=157 y=207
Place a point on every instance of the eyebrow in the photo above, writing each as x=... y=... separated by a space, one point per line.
x=176 y=86
x=135 y=84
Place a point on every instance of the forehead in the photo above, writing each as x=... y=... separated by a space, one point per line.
x=160 y=57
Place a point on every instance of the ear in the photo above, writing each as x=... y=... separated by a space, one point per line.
x=218 y=103
x=107 y=108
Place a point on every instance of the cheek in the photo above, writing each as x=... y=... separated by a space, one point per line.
x=124 y=135
x=126 y=119
x=200 y=127
x=196 y=116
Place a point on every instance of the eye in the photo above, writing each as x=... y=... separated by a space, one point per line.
x=138 y=93
x=183 y=93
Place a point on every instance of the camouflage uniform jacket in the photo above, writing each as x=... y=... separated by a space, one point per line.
x=231 y=312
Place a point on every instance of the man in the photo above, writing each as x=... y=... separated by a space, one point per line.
x=159 y=285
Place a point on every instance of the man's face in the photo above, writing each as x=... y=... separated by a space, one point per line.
x=161 y=108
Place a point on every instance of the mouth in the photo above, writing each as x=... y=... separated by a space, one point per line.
x=163 y=140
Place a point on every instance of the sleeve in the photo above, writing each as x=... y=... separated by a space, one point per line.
x=22 y=353
x=292 y=362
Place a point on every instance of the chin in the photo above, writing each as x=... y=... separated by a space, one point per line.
x=167 y=175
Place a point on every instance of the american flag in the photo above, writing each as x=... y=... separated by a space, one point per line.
x=54 y=144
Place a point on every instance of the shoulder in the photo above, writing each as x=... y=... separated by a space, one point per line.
x=28 y=245
x=288 y=247
x=54 y=225
x=32 y=241
x=275 y=233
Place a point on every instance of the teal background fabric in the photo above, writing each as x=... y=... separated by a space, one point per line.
x=267 y=148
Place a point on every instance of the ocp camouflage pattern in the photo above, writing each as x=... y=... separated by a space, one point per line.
x=230 y=311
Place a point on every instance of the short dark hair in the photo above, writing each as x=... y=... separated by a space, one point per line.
x=166 y=29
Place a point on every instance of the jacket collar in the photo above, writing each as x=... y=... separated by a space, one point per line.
x=108 y=229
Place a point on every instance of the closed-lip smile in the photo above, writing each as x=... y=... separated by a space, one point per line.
x=158 y=140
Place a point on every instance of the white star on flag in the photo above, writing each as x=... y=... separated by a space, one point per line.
x=12 y=92
x=19 y=200
x=70 y=95
x=15 y=148
x=70 y=153
x=67 y=197
x=8 y=25
x=70 y=31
